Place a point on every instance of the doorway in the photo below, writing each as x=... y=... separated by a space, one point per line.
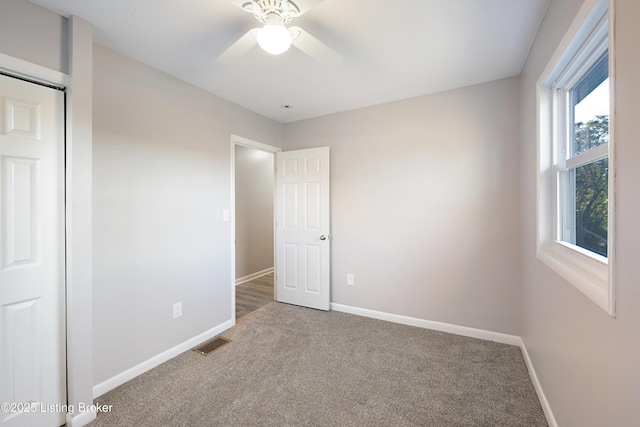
x=253 y=225
x=301 y=230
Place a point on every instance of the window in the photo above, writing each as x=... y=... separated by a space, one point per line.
x=583 y=159
x=574 y=144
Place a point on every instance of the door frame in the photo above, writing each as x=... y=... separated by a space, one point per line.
x=245 y=142
x=78 y=214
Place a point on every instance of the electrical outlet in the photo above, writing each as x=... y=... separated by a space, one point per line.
x=350 y=279
x=177 y=309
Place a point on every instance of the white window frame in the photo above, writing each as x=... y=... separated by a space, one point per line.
x=588 y=37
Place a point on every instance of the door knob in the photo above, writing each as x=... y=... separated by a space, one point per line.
x=323 y=237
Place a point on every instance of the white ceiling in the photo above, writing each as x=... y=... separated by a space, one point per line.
x=392 y=49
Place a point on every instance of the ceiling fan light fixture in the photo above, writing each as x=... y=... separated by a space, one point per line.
x=274 y=39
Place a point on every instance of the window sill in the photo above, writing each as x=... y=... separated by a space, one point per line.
x=589 y=273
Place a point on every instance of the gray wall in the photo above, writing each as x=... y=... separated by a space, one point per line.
x=425 y=205
x=587 y=361
x=254 y=210
x=161 y=180
x=34 y=34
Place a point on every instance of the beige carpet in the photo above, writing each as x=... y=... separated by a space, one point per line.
x=291 y=366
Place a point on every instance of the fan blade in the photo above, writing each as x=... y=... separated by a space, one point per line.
x=240 y=47
x=314 y=47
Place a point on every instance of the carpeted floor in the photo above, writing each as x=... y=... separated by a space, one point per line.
x=291 y=366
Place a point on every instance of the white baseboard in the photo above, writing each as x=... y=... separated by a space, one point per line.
x=252 y=276
x=429 y=324
x=79 y=419
x=551 y=420
x=129 y=374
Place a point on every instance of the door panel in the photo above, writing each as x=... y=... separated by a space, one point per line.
x=32 y=352
x=302 y=228
x=20 y=211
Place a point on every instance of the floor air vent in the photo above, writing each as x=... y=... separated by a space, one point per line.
x=211 y=346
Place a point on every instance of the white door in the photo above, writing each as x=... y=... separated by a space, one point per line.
x=302 y=228
x=32 y=351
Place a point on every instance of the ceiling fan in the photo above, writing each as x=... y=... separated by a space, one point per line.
x=274 y=37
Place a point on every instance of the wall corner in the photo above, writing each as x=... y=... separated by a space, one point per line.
x=79 y=221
